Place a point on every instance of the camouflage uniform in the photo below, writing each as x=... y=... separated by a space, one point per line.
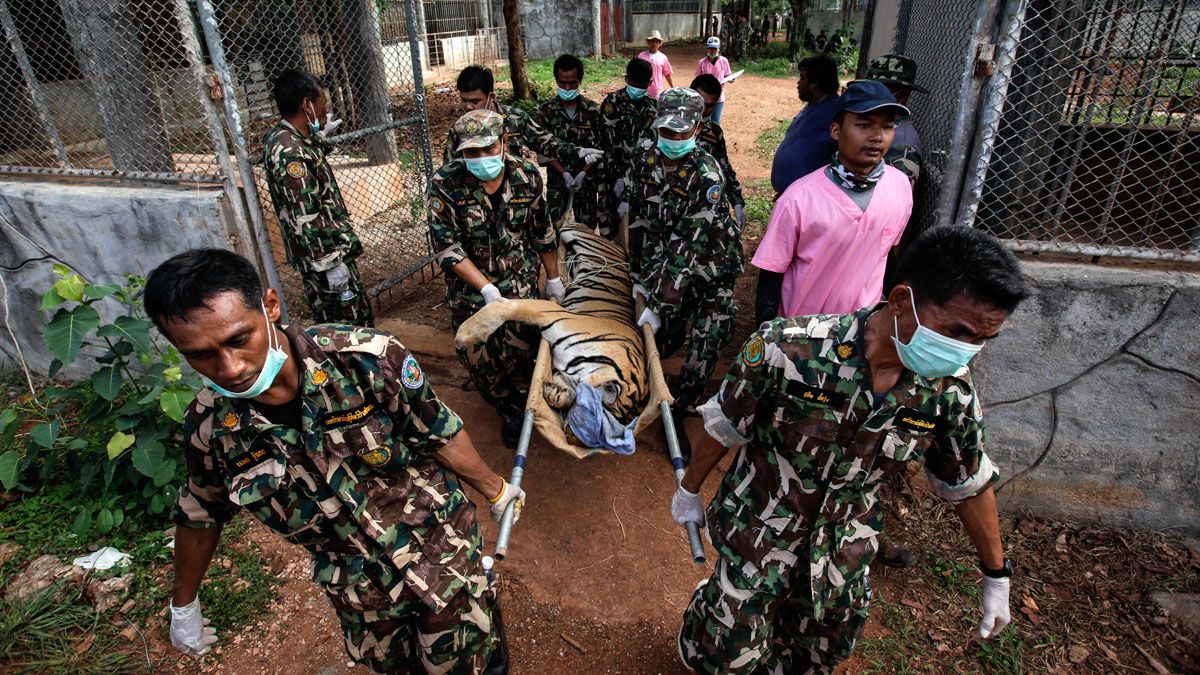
x=906 y=152
x=622 y=120
x=392 y=535
x=712 y=141
x=686 y=251
x=315 y=224
x=502 y=237
x=796 y=517
x=523 y=132
x=582 y=130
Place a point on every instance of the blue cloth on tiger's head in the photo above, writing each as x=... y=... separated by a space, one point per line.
x=595 y=426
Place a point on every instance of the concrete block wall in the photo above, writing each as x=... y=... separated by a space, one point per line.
x=1092 y=397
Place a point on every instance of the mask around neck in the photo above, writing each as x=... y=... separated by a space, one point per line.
x=270 y=370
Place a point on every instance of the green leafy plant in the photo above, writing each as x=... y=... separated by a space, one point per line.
x=113 y=430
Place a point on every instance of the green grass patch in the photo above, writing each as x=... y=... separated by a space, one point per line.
x=759 y=203
x=779 y=67
x=770 y=138
x=541 y=77
x=49 y=633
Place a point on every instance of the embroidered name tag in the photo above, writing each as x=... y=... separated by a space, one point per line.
x=342 y=418
x=520 y=200
x=248 y=460
x=466 y=202
x=648 y=181
x=915 y=420
x=816 y=395
x=679 y=191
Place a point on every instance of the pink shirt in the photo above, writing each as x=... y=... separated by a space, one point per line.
x=720 y=69
x=831 y=253
x=660 y=69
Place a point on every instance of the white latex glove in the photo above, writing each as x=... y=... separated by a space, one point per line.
x=619 y=187
x=507 y=494
x=649 y=317
x=578 y=180
x=995 y=607
x=686 y=508
x=331 y=125
x=740 y=214
x=590 y=155
x=622 y=209
x=338 y=277
x=190 y=632
x=555 y=289
x=638 y=290
x=492 y=294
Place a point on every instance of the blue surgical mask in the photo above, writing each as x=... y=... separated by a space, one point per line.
x=568 y=94
x=486 y=168
x=676 y=149
x=929 y=353
x=634 y=92
x=270 y=370
x=314 y=125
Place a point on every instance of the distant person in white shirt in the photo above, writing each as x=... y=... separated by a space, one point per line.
x=659 y=64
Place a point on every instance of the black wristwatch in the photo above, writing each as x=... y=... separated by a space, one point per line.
x=1002 y=573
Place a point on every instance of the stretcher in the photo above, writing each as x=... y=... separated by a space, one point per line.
x=550 y=424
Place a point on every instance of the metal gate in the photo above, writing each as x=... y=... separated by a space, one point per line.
x=1061 y=125
x=383 y=164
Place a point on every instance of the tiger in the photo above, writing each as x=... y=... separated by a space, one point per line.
x=592 y=335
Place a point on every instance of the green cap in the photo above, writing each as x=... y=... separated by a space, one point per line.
x=478 y=129
x=895 y=69
x=679 y=109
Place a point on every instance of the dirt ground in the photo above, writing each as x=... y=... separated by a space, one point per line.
x=598 y=574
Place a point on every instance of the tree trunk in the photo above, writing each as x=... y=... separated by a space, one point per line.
x=104 y=34
x=799 y=23
x=516 y=51
x=709 y=29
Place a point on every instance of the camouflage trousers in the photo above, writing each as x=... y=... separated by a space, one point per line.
x=409 y=637
x=502 y=366
x=733 y=625
x=706 y=323
x=586 y=205
x=326 y=307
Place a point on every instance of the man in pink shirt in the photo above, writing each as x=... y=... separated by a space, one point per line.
x=659 y=64
x=718 y=66
x=830 y=232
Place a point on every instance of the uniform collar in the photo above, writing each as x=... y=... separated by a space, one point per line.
x=290 y=128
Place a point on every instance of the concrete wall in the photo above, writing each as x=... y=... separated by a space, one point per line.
x=554 y=27
x=1093 y=389
x=103 y=231
x=672 y=26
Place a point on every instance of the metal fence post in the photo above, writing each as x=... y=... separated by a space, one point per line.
x=233 y=118
x=32 y=86
x=418 y=74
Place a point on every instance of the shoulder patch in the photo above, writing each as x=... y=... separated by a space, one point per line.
x=410 y=373
x=609 y=109
x=377 y=456
x=296 y=169
x=436 y=204
x=714 y=194
x=754 y=351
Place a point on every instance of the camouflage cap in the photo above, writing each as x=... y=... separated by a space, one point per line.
x=895 y=69
x=478 y=129
x=679 y=109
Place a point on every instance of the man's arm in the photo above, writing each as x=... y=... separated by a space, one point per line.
x=460 y=456
x=194 y=549
x=767 y=295
x=705 y=455
x=550 y=262
x=468 y=272
x=982 y=524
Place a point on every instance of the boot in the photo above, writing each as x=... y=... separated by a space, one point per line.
x=895 y=554
x=498 y=661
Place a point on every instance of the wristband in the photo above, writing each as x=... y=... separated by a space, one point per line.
x=503 y=489
x=1004 y=572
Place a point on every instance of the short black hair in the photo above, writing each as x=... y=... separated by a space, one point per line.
x=476 y=78
x=822 y=71
x=947 y=261
x=567 y=63
x=188 y=281
x=708 y=84
x=638 y=70
x=292 y=87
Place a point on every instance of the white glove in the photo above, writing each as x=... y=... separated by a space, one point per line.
x=995 y=607
x=190 y=632
x=740 y=213
x=622 y=209
x=338 y=277
x=507 y=494
x=638 y=290
x=578 y=180
x=649 y=317
x=555 y=289
x=590 y=155
x=569 y=181
x=331 y=125
x=619 y=187
x=686 y=508
x=492 y=294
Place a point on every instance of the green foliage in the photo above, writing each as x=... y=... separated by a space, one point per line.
x=46 y=632
x=110 y=432
x=242 y=592
x=541 y=78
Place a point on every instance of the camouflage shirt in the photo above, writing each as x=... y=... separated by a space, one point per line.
x=688 y=237
x=906 y=152
x=712 y=141
x=522 y=131
x=357 y=485
x=312 y=216
x=815 y=445
x=501 y=234
x=582 y=130
x=622 y=122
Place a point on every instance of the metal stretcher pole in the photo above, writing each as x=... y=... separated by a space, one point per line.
x=668 y=421
x=506 y=521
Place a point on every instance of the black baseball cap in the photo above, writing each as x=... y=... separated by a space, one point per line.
x=864 y=96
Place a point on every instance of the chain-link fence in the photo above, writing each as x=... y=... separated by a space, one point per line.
x=451 y=34
x=1097 y=132
x=93 y=87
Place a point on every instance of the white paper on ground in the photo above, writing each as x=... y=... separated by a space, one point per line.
x=103 y=559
